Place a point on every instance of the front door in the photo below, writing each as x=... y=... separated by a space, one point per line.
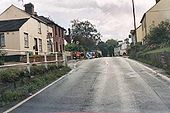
x=36 y=46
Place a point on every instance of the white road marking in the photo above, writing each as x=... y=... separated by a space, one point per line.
x=27 y=99
x=159 y=74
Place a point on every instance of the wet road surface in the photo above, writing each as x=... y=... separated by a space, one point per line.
x=104 y=85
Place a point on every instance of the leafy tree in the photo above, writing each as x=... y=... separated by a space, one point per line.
x=72 y=47
x=85 y=34
x=111 y=43
x=159 y=36
x=103 y=47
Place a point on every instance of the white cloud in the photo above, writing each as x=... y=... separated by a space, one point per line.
x=113 y=18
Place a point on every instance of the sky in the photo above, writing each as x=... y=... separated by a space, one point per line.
x=112 y=18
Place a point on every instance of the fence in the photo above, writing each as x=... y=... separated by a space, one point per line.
x=28 y=60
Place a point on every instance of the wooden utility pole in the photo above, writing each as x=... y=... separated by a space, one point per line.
x=134 y=17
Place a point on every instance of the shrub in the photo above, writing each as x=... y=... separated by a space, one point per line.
x=11 y=95
x=52 y=67
x=37 y=70
x=10 y=76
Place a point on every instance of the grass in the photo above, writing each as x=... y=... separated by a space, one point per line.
x=12 y=95
x=159 y=50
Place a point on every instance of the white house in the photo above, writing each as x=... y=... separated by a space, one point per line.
x=23 y=30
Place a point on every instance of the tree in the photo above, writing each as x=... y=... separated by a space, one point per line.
x=159 y=36
x=111 y=43
x=73 y=47
x=85 y=34
x=103 y=47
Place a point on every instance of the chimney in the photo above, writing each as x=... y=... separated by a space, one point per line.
x=157 y=1
x=69 y=31
x=29 y=8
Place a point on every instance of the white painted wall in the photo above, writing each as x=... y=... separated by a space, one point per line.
x=31 y=27
x=139 y=34
x=13 y=13
x=160 y=12
x=12 y=42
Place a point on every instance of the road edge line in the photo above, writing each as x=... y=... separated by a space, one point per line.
x=157 y=73
x=27 y=99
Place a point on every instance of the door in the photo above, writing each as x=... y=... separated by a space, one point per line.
x=36 y=46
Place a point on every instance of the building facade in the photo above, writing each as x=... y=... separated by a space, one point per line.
x=58 y=34
x=159 y=12
x=139 y=34
x=33 y=34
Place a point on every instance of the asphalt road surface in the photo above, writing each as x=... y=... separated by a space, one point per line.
x=104 y=85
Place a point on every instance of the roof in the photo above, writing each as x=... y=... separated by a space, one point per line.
x=12 y=25
x=15 y=7
x=48 y=21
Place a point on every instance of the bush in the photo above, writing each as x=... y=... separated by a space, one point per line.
x=38 y=70
x=52 y=67
x=31 y=85
x=11 y=95
x=9 y=75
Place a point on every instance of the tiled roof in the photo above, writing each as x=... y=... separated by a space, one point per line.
x=11 y=25
x=48 y=21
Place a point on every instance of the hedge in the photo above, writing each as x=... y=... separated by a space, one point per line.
x=16 y=84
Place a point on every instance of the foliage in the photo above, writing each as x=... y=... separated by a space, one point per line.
x=32 y=85
x=9 y=75
x=159 y=36
x=85 y=34
x=103 y=47
x=11 y=95
x=72 y=47
x=37 y=70
x=2 y=54
x=111 y=43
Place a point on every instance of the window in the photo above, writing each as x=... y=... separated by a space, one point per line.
x=2 y=40
x=39 y=28
x=26 y=40
x=59 y=32
x=56 y=30
x=62 y=34
x=40 y=45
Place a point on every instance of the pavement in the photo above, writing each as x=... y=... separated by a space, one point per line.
x=104 y=85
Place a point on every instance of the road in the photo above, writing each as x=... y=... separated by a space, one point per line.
x=104 y=85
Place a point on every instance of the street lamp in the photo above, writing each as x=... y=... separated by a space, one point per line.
x=134 y=17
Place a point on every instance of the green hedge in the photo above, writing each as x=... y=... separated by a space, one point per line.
x=24 y=85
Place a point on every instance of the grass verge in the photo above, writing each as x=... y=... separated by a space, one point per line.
x=25 y=84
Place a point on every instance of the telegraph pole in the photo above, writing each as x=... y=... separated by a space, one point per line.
x=134 y=17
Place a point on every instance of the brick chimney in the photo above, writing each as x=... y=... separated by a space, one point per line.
x=29 y=8
x=157 y=1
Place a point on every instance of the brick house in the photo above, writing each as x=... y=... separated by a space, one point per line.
x=58 y=34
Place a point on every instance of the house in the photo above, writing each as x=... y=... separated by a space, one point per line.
x=23 y=30
x=58 y=34
x=139 y=34
x=159 y=12
x=121 y=50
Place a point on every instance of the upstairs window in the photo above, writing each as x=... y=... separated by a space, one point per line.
x=2 y=40
x=56 y=30
x=39 y=28
x=59 y=31
x=26 y=40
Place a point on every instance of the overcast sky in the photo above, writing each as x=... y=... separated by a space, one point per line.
x=113 y=18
